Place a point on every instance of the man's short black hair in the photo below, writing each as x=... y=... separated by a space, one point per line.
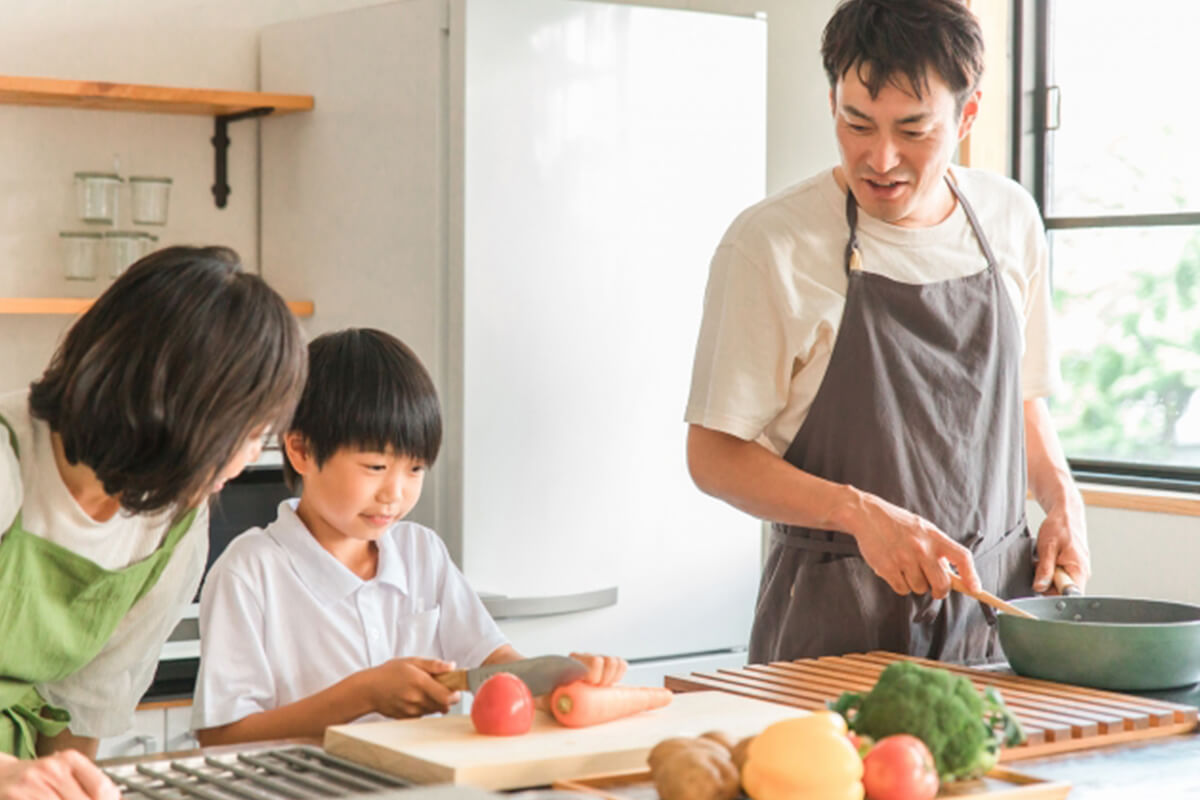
x=885 y=40
x=366 y=390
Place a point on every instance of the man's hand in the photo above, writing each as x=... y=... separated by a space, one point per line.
x=1062 y=542
x=907 y=551
x=68 y=775
x=406 y=687
x=1062 y=539
x=602 y=670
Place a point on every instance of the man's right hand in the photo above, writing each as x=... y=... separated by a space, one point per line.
x=405 y=687
x=68 y=775
x=906 y=550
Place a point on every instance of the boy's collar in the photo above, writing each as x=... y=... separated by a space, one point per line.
x=324 y=575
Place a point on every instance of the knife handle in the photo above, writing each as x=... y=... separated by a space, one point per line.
x=455 y=680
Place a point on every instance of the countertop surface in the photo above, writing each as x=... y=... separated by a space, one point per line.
x=1162 y=769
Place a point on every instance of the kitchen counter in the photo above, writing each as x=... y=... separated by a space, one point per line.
x=1159 y=769
x=1162 y=768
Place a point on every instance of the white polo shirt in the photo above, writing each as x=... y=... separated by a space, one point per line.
x=281 y=618
x=102 y=694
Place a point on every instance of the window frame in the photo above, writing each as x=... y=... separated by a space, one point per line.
x=1031 y=153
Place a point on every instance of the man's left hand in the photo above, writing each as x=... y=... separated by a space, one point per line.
x=1062 y=542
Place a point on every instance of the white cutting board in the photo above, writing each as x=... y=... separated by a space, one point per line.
x=448 y=750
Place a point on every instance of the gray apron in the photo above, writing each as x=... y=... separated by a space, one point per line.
x=921 y=405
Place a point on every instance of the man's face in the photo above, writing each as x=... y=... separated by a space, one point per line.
x=896 y=148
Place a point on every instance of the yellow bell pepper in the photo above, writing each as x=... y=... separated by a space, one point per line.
x=805 y=758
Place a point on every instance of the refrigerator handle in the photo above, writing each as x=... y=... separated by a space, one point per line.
x=504 y=607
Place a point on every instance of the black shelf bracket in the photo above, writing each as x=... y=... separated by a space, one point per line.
x=220 y=142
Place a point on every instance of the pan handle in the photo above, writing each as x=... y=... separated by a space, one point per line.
x=1065 y=584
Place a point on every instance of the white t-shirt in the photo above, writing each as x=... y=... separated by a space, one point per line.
x=103 y=694
x=777 y=289
x=281 y=618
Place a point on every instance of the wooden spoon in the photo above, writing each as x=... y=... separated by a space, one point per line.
x=987 y=598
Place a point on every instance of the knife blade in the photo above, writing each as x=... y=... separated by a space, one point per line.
x=541 y=674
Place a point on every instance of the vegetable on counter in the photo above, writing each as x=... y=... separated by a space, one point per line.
x=503 y=706
x=580 y=704
x=806 y=758
x=695 y=769
x=900 y=767
x=963 y=730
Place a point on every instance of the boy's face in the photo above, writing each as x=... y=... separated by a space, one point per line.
x=355 y=494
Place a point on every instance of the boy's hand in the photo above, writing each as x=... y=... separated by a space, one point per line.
x=68 y=775
x=405 y=687
x=602 y=670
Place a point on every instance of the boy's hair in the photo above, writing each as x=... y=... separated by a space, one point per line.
x=165 y=377
x=367 y=390
x=883 y=40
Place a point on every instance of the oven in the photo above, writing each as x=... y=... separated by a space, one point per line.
x=249 y=500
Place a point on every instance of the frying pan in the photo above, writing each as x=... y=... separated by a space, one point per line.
x=1103 y=642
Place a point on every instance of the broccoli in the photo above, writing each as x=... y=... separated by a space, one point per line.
x=963 y=730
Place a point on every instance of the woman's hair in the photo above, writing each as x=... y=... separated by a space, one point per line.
x=884 y=40
x=367 y=390
x=169 y=372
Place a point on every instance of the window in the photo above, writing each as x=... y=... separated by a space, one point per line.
x=1107 y=130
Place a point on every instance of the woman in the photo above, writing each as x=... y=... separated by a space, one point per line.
x=158 y=395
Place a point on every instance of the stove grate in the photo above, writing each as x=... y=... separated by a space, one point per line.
x=292 y=773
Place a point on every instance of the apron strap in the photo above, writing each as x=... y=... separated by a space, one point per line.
x=852 y=223
x=843 y=544
x=973 y=219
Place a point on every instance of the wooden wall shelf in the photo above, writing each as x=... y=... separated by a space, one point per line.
x=223 y=106
x=77 y=305
x=102 y=96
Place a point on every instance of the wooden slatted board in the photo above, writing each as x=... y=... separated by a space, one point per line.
x=1057 y=717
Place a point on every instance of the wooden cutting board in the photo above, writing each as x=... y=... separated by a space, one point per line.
x=448 y=750
x=1057 y=717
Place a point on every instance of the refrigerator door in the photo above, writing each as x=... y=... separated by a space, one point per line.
x=605 y=149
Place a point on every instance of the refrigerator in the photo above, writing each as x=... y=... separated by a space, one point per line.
x=528 y=193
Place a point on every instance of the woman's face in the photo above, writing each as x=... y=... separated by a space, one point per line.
x=249 y=452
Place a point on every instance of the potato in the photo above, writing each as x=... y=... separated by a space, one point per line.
x=665 y=749
x=693 y=769
x=720 y=737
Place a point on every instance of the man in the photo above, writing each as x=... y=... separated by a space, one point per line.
x=872 y=361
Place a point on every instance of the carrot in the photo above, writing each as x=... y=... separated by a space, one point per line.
x=580 y=704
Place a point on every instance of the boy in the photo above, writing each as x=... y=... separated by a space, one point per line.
x=339 y=609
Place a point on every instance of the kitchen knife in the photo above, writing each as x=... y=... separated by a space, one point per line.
x=542 y=674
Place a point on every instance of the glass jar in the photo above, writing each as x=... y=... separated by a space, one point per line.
x=81 y=253
x=149 y=199
x=124 y=248
x=96 y=196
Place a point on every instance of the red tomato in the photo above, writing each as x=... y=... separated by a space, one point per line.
x=503 y=706
x=900 y=767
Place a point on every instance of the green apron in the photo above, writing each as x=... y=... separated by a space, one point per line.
x=57 y=611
